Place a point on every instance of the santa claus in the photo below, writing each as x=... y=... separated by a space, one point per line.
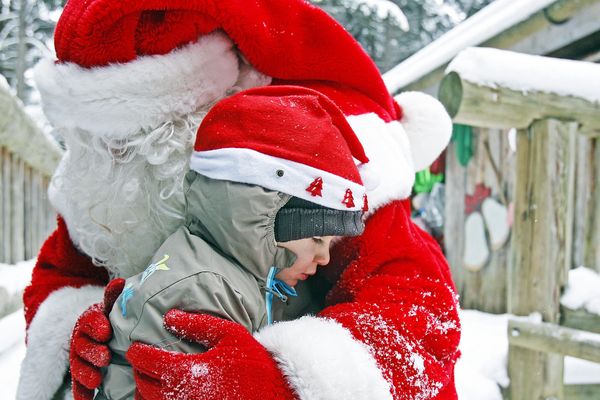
x=132 y=81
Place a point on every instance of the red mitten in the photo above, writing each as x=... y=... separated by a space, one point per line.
x=235 y=366
x=89 y=350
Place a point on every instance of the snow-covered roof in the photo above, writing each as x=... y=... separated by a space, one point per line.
x=486 y=24
x=528 y=73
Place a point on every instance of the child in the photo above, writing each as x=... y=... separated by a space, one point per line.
x=272 y=181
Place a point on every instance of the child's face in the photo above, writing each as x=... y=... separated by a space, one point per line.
x=310 y=252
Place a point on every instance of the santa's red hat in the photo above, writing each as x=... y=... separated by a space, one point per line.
x=126 y=66
x=285 y=138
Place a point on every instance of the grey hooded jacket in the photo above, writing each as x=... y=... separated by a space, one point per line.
x=216 y=263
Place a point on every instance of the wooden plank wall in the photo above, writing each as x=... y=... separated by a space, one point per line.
x=484 y=290
x=26 y=216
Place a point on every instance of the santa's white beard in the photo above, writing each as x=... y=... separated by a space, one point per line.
x=122 y=198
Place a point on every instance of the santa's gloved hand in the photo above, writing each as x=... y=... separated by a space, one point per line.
x=235 y=366
x=89 y=350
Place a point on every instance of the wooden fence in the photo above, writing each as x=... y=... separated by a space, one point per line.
x=486 y=289
x=553 y=130
x=28 y=159
x=26 y=215
x=492 y=164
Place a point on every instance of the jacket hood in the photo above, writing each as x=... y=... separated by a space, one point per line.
x=238 y=220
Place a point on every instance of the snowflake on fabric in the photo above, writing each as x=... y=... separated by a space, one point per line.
x=125 y=296
x=152 y=268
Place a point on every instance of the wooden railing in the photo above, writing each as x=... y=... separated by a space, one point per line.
x=27 y=160
x=549 y=123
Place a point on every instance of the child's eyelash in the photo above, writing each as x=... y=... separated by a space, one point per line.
x=317 y=239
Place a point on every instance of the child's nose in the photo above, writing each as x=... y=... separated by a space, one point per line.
x=323 y=257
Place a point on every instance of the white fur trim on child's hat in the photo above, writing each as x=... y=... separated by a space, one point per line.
x=249 y=166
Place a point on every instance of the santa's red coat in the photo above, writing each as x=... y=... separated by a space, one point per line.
x=394 y=295
x=392 y=314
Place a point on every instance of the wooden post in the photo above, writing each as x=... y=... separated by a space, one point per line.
x=27 y=207
x=18 y=210
x=7 y=205
x=580 y=319
x=495 y=106
x=582 y=392
x=3 y=154
x=541 y=247
x=592 y=234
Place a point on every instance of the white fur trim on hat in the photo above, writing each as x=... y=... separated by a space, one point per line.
x=427 y=125
x=290 y=177
x=120 y=99
x=47 y=358
x=389 y=175
x=322 y=360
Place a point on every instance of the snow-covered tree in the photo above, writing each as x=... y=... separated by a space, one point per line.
x=26 y=28
x=392 y=30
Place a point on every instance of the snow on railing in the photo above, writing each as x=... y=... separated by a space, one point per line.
x=582 y=290
x=494 y=88
x=491 y=21
x=528 y=73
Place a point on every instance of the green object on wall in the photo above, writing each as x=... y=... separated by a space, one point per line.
x=424 y=181
x=462 y=135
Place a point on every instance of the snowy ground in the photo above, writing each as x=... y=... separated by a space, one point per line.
x=12 y=351
x=480 y=372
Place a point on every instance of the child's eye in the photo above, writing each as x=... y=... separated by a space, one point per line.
x=317 y=239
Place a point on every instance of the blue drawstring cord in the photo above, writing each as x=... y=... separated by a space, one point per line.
x=277 y=288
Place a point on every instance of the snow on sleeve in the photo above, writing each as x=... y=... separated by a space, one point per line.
x=527 y=73
x=583 y=290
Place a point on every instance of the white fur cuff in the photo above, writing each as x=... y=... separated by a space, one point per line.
x=47 y=357
x=323 y=361
x=120 y=99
